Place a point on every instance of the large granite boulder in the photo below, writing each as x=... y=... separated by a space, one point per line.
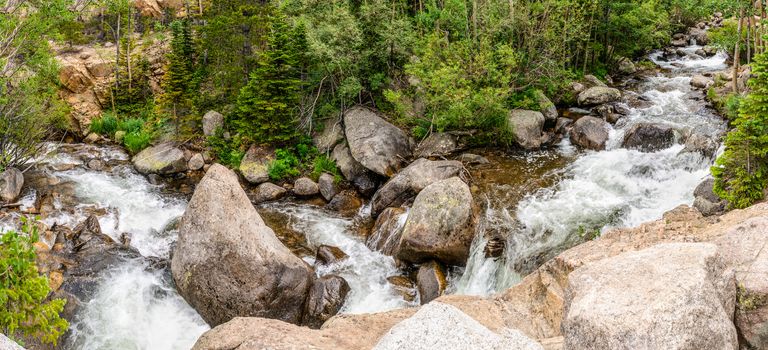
x=326 y=297
x=409 y=182
x=440 y=225
x=670 y=296
x=375 y=143
x=590 y=132
x=546 y=107
x=363 y=179
x=211 y=122
x=598 y=95
x=647 y=137
x=527 y=127
x=428 y=329
x=742 y=247
x=438 y=144
x=227 y=263
x=255 y=164
x=162 y=159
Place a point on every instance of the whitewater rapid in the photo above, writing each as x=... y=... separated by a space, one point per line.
x=601 y=190
x=135 y=306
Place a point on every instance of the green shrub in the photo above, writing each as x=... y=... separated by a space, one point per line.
x=136 y=141
x=323 y=164
x=131 y=125
x=284 y=166
x=24 y=291
x=106 y=125
x=229 y=152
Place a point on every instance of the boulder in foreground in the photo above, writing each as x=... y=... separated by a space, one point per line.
x=228 y=263
x=670 y=296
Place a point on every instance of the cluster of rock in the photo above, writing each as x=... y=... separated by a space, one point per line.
x=703 y=277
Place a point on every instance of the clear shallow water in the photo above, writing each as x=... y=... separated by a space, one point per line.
x=134 y=307
x=602 y=190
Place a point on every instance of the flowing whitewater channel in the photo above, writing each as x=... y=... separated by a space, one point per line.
x=543 y=202
x=598 y=191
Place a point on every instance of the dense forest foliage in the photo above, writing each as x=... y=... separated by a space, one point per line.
x=271 y=67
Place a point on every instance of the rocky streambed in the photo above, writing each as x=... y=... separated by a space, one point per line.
x=414 y=224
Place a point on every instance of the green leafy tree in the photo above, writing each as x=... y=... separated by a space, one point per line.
x=741 y=172
x=23 y=291
x=267 y=106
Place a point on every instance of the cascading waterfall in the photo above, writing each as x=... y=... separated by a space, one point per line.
x=365 y=270
x=607 y=189
x=134 y=306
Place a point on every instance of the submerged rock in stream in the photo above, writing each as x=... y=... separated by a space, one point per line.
x=228 y=263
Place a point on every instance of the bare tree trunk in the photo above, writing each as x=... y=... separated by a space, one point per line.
x=129 y=49
x=736 y=58
x=117 y=53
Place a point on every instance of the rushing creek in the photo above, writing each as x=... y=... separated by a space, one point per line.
x=542 y=202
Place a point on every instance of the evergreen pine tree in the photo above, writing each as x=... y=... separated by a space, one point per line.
x=267 y=105
x=178 y=80
x=741 y=173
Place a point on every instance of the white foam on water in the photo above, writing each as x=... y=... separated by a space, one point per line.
x=135 y=206
x=135 y=309
x=606 y=189
x=365 y=270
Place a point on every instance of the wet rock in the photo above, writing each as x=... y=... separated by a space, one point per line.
x=700 y=35
x=705 y=199
x=162 y=159
x=692 y=293
x=495 y=247
x=305 y=187
x=327 y=255
x=546 y=107
x=255 y=163
x=196 y=162
x=563 y=125
x=327 y=184
x=227 y=263
x=385 y=237
x=679 y=42
x=440 y=224
x=409 y=182
x=403 y=286
x=526 y=126
x=346 y=203
x=363 y=179
x=590 y=132
x=96 y=164
x=701 y=82
x=212 y=121
x=325 y=299
x=647 y=137
x=92 y=138
x=473 y=159
x=608 y=113
x=742 y=247
x=626 y=66
x=375 y=143
x=268 y=192
x=599 y=95
x=332 y=135
x=427 y=330
x=431 y=281
x=11 y=183
x=702 y=144
x=593 y=81
x=439 y=144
